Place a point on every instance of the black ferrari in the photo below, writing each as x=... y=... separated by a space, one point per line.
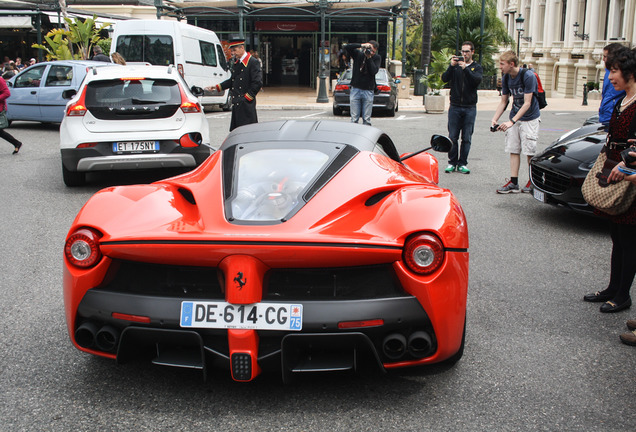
x=558 y=172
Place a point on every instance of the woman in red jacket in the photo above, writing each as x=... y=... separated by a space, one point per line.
x=4 y=94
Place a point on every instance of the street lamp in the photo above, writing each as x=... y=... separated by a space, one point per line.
x=583 y=36
x=458 y=5
x=322 y=86
x=519 y=23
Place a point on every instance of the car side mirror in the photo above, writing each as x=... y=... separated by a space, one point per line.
x=441 y=143
x=197 y=91
x=68 y=94
x=9 y=84
x=397 y=81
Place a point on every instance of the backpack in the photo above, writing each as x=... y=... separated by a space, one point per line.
x=539 y=94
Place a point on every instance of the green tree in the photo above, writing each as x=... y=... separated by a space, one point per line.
x=74 y=42
x=444 y=31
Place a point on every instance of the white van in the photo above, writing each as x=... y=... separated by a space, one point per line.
x=196 y=52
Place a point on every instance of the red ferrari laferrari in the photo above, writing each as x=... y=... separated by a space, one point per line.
x=299 y=246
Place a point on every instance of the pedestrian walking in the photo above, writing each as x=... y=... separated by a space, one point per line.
x=522 y=128
x=464 y=76
x=366 y=63
x=246 y=81
x=4 y=123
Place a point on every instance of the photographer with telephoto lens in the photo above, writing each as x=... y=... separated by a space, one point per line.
x=366 y=63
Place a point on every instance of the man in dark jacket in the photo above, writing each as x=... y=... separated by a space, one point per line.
x=464 y=75
x=246 y=81
x=366 y=63
x=98 y=55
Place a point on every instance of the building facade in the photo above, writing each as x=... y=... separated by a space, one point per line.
x=564 y=39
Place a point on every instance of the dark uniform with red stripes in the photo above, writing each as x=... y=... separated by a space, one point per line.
x=245 y=82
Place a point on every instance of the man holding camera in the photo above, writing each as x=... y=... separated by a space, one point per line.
x=366 y=63
x=465 y=76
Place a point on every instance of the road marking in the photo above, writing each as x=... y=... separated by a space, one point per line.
x=314 y=114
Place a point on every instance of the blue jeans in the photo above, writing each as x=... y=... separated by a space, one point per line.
x=361 y=103
x=460 y=119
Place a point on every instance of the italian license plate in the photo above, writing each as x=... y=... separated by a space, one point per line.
x=136 y=147
x=257 y=316
x=538 y=195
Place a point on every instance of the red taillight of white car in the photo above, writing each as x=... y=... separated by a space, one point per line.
x=82 y=248
x=423 y=253
x=79 y=107
x=384 y=89
x=188 y=106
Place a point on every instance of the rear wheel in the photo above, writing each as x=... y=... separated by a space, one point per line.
x=73 y=178
x=458 y=355
x=391 y=112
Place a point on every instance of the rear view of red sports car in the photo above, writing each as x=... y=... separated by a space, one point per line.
x=297 y=246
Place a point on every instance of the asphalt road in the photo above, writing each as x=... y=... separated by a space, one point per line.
x=537 y=357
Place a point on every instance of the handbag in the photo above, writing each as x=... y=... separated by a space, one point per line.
x=611 y=198
x=4 y=122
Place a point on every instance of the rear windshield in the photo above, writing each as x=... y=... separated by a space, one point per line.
x=132 y=91
x=153 y=49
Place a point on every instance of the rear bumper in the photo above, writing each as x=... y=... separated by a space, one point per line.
x=320 y=345
x=101 y=158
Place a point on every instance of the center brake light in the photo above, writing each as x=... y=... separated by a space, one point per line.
x=188 y=106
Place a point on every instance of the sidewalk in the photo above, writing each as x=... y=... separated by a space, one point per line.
x=297 y=98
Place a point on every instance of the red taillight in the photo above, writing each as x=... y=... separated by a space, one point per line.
x=188 y=106
x=191 y=140
x=132 y=318
x=384 y=89
x=87 y=145
x=79 y=107
x=341 y=87
x=82 y=248
x=358 y=324
x=423 y=253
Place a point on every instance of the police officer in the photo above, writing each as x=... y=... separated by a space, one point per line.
x=245 y=82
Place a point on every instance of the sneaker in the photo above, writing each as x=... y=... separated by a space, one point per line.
x=527 y=188
x=450 y=168
x=463 y=169
x=509 y=188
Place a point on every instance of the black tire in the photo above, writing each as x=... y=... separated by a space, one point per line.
x=397 y=107
x=458 y=355
x=73 y=178
x=391 y=112
x=337 y=111
x=227 y=106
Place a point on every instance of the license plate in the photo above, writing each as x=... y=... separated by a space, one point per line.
x=257 y=316
x=136 y=147
x=538 y=195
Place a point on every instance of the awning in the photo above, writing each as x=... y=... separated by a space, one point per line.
x=23 y=22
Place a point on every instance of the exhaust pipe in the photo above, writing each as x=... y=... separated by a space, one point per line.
x=394 y=346
x=419 y=344
x=85 y=334
x=106 y=338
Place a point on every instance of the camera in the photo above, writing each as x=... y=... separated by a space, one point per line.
x=494 y=128
x=367 y=51
x=627 y=158
x=458 y=58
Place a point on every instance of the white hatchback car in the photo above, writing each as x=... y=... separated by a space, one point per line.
x=132 y=117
